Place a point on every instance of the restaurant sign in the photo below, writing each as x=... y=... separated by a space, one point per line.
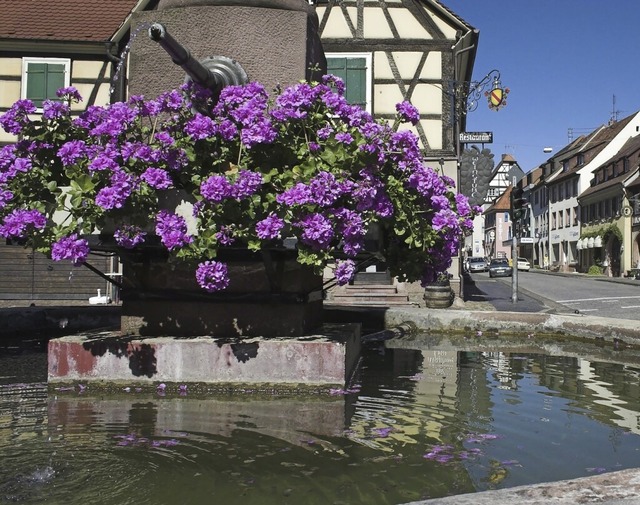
x=478 y=137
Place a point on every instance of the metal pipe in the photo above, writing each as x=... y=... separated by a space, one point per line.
x=180 y=55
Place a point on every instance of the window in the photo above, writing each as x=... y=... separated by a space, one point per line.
x=355 y=70
x=506 y=217
x=580 y=159
x=560 y=192
x=553 y=221
x=42 y=77
x=567 y=217
x=576 y=213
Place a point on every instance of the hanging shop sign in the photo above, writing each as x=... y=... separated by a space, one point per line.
x=476 y=138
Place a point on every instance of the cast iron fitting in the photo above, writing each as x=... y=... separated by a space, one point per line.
x=214 y=72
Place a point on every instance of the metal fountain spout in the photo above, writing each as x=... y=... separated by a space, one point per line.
x=214 y=72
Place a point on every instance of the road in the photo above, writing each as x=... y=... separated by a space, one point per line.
x=588 y=295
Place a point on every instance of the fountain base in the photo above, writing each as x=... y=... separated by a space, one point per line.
x=327 y=358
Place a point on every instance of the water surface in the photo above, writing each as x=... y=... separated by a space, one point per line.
x=416 y=424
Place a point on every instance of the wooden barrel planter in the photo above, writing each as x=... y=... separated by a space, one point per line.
x=438 y=296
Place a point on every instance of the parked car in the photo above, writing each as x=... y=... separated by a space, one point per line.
x=499 y=267
x=523 y=264
x=477 y=264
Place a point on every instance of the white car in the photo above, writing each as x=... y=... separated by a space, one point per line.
x=523 y=264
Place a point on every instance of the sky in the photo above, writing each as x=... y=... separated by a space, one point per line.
x=563 y=61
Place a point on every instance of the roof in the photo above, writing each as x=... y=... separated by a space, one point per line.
x=592 y=144
x=63 y=20
x=502 y=203
x=631 y=147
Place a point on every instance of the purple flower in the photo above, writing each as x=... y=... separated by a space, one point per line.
x=5 y=196
x=212 y=276
x=114 y=196
x=101 y=162
x=269 y=227
x=71 y=151
x=216 y=188
x=172 y=230
x=247 y=183
x=157 y=178
x=345 y=138
x=53 y=109
x=344 y=271
x=462 y=205
x=15 y=224
x=69 y=93
x=200 y=127
x=300 y=194
x=408 y=113
x=382 y=432
x=225 y=235
x=70 y=248
x=317 y=232
x=445 y=218
x=16 y=118
x=129 y=236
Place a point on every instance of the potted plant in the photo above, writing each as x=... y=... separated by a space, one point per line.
x=249 y=171
x=438 y=293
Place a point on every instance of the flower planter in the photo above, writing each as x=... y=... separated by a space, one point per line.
x=273 y=298
x=438 y=296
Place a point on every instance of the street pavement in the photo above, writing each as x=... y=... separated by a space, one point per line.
x=481 y=295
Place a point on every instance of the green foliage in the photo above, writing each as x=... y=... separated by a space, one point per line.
x=595 y=270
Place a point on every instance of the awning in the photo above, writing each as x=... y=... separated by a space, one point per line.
x=590 y=242
x=597 y=242
x=579 y=244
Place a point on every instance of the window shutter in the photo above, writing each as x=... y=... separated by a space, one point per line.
x=353 y=71
x=43 y=80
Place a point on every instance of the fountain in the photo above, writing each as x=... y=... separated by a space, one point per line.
x=267 y=326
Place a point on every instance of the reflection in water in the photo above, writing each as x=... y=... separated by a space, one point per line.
x=420 y=424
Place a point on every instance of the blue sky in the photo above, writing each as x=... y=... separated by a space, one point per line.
x=563 y=61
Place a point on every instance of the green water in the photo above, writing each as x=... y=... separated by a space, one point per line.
x=417 y=424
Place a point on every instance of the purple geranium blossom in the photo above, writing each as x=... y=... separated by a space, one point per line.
x=216 y=188
x=317 y=232
x=200 y=127
x=172 y=230
x=408 y=113
x=345 y=138
x=157 y=178
x=300 y=194
x=269 y=227
x=15 y=224
x=70 y=248
x=69 y=92
x=344 y=272
x=71 y=151
x=129 y=236
x=52 y=109
x=212 y=276
x=5 y=196
x=247 y=183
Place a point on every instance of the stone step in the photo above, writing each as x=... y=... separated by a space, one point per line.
x=371 y=288
x=370 y=295
x=373 y=278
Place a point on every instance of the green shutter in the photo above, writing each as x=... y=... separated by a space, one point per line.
x=353 y=71
x=43 y=80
